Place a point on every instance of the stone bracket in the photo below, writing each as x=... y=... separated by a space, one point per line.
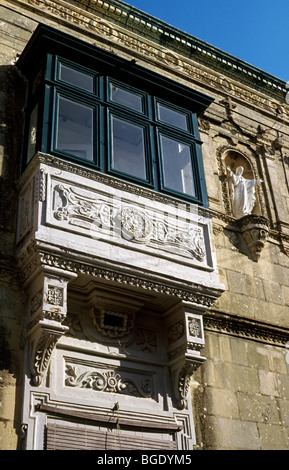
x=254 y=229
x=43 y=339
x=182 y=373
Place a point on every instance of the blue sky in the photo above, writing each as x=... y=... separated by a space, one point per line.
x=256 y=31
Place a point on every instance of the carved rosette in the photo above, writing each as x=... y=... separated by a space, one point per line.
x=255 y=229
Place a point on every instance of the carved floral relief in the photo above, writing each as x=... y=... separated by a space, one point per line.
x=107 y=216
x=108 y=381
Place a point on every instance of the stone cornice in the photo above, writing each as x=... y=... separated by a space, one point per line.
x=150 y=27
x=37 y=255
x=118 y=25
x=245 y=327
x=203 y=296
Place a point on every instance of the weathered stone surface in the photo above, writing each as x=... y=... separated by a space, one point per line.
x=238 y=435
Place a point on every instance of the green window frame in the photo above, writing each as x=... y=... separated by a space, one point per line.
x=94 y=108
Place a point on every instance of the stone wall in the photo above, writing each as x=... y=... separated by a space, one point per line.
x=241 y=395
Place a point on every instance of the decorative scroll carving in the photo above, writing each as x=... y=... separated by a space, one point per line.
x=43 y=342
x=108 y=381
x=147 y=339
x=255 y=229
x=135 y=224
x=54 y=296
x=184 y=381
x=106 y=216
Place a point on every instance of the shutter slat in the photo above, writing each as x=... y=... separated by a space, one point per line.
x=59 y=437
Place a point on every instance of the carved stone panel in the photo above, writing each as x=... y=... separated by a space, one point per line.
x=103 y=217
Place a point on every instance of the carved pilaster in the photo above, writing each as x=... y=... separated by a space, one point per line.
x=255 y=229
x=186 y=339
x=47 y=311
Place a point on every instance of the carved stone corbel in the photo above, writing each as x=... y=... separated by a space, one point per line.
x=47 y=311
x=186 y=339
x=255 y=229
x=43 y=338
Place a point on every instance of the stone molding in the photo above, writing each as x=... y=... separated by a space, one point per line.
x=51 y=252
x=46 y=276
x=244 y=327
x=95 y=176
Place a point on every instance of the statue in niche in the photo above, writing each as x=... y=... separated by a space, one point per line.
x=242 y=192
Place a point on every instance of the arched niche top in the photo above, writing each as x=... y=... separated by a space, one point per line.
x=233 y=159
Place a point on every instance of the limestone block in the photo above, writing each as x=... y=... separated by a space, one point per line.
x=285 y=293
x=273 y=437
x=225 y=348
x=243 y=284
x=238 y=435
x=258 y=408
x=258 y=356
x=284 y=411
x=221 y=402
x=273 y=292
x=283 y=385
x=236 y=377
x=239 y=351
x=268 y=384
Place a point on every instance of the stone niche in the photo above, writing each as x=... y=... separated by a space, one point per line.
x=233 y=159
x=253 y=227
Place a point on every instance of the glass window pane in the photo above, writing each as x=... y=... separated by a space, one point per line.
x=126 y=98
x=172 y=117
x=74 y=132
x=128 y=148
x=75 y=77
x=177 y=166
